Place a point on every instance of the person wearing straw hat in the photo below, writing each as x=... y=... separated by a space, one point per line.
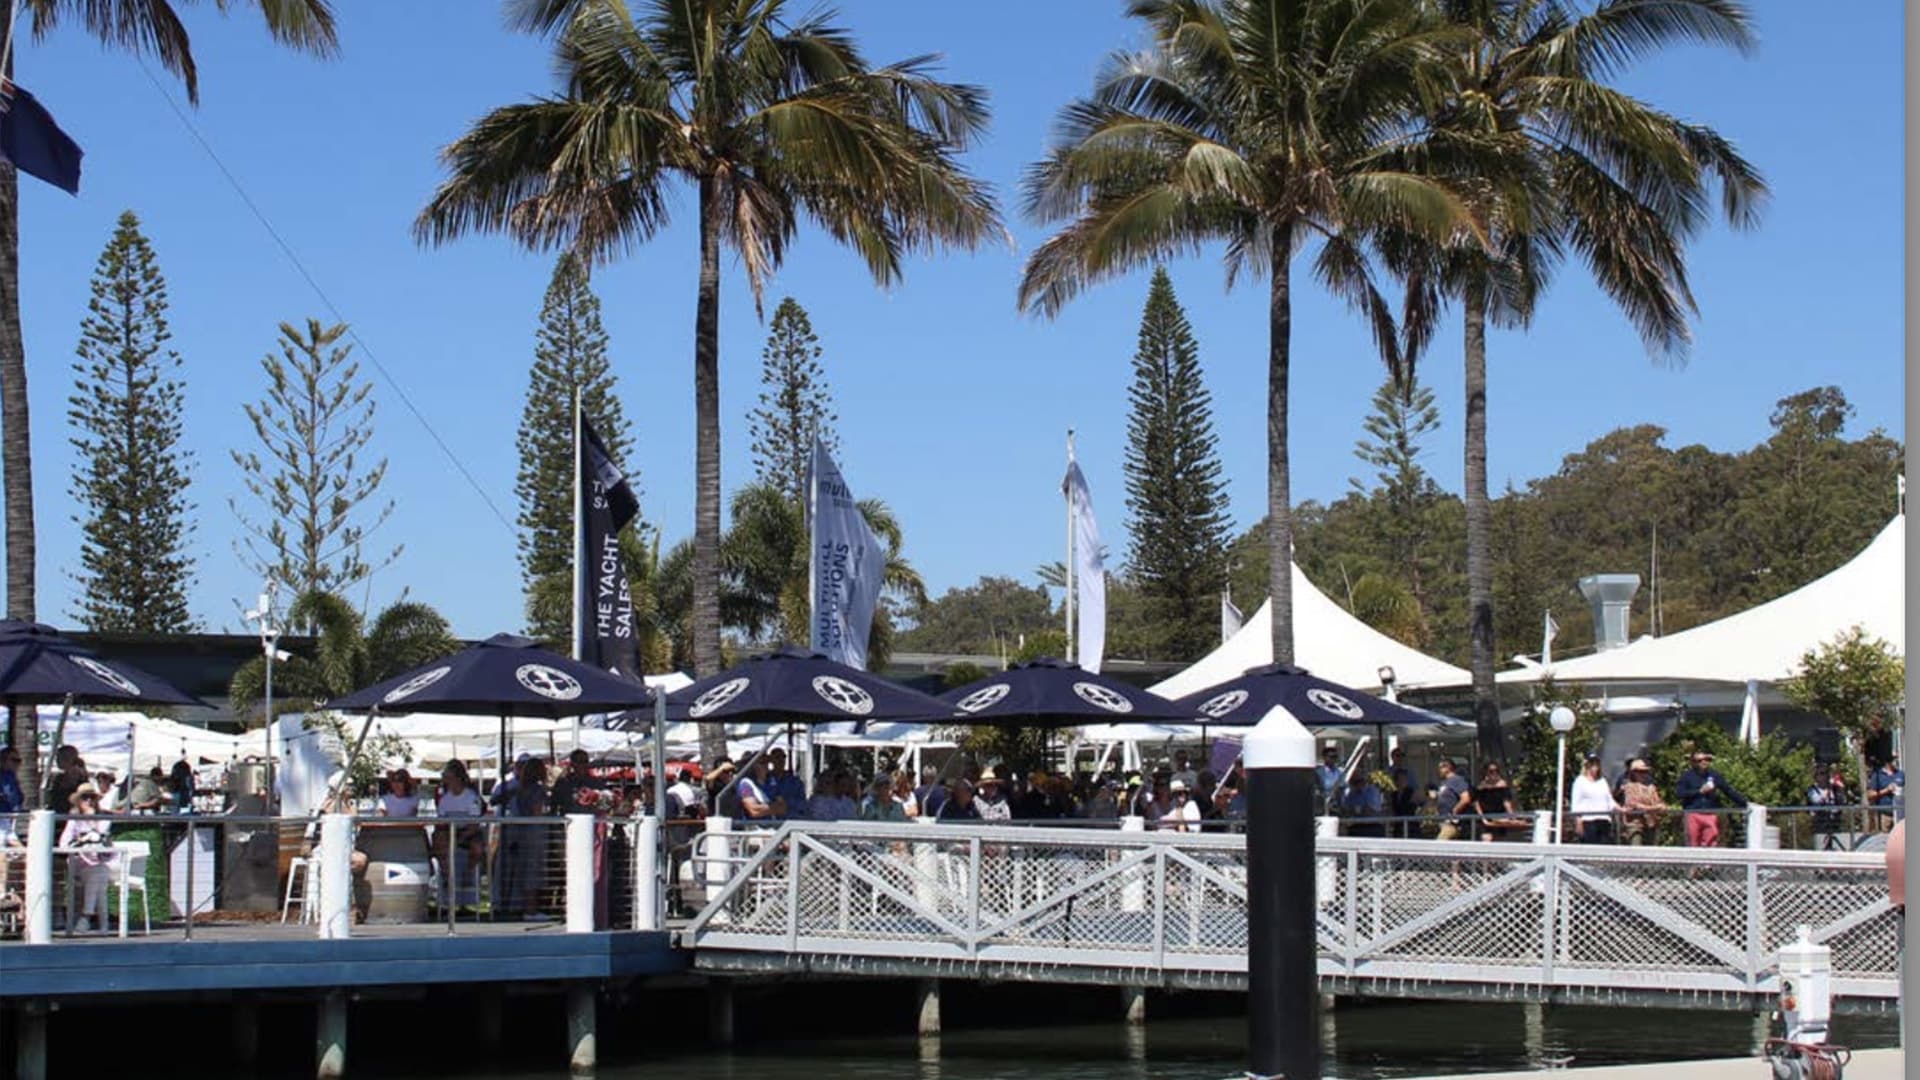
x=991 y=798
x=1641 y=805
x=90 y=854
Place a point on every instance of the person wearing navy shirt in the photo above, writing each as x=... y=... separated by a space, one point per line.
x=783 y=784
x=1701 y=790
x=931 y=794
x=1885 y=787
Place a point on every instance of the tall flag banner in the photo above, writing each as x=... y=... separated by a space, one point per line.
x=847 y=568
x=605 y=503
x=1548 y=631
x=1088 y=565
x=34 y=143
x=1230 y=618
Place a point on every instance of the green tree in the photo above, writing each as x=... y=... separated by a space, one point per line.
x=142 y=27
x=1266 y=124
x=1772 y=773
x=1852 y=680
x=1808 y=495
x=347 y=652
x=1533 y=769
x=569 y=357
x=131 y=477
x=769 y=117
x=795 y=407
x=313 y=423
x=1175 y=495
x=987 y=618
x=1585 y=168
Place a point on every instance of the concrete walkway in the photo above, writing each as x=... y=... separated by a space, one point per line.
x=1866 y=1065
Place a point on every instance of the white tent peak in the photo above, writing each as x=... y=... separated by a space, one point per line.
x=1327 y=640
x=1766 y=642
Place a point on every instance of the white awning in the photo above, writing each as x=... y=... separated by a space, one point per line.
x=1763 y=643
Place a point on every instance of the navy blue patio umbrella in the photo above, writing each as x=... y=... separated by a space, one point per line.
x=39 y=667
x=802 y=687
x=507 y=675
x=1054 y=693
x=1317 y=703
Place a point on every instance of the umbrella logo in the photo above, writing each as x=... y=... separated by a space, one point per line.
x=983 y=697
x=1095 y=694
x=843 y=695
x=105 y=674
x=1334 y=703
x=548 y=682
x=1221 y=705
x=717 y=697
x=416 y=684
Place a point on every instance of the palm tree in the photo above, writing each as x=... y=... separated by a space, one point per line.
x=143 y=27
x=769 y=118
x=1266 y=124
x=348 y=654
x=1620 y=183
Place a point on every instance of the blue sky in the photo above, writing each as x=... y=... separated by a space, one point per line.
x=953 y=406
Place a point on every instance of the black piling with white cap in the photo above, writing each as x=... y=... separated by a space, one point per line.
x=1283 y=987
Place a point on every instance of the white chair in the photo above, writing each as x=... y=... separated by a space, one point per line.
x=298 y=873
x=135 y=853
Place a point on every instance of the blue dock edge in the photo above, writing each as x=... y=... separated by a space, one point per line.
x=137 y=967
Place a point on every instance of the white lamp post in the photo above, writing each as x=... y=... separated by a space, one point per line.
x=270 y=648
x=1561 y=718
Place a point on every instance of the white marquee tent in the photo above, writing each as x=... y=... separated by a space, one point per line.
x=1764 y=643
x=1328 y=641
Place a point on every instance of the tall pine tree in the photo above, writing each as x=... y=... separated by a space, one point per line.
x=313 y=423
x=795 y=403
x=569 y=353
x=1175 y=496
x=1403 y=414
x=131 y=475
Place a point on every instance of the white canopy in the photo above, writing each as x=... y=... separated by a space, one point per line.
x=110 y=739
x=1763 y=643
x=1328 y=641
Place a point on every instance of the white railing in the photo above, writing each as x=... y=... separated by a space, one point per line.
x=1407 y=914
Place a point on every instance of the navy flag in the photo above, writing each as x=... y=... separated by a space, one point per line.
x=847 y=569
x=604 y=627
x=34 y=143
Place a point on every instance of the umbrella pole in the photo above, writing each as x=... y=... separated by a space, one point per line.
x=46 y=775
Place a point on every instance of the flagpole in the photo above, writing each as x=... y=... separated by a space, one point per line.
x=579 y=551
x=1067 y=490
x=813 y=540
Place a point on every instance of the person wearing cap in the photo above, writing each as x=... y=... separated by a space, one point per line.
x=90 y=854
x=1640 y=803
x=1701 y=791
x=961 y=805
x=990 y=801
x=1591 y=803
x=1363 y=805
x=879 y=803
x=1182 y=814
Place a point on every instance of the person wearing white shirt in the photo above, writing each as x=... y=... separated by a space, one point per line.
x=1592 y=804
x=1184 y=814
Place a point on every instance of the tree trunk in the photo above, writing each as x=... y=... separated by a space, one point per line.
x=1486 y=705
x=23 y=734
x=16 y=454
x=706 y=508
x=1279 y=485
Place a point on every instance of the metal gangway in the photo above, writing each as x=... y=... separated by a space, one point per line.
x=1397 y=918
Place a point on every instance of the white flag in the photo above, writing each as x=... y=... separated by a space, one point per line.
x=1547 y=633
x=848 y=567
x=1230 y=618
x=1090 y=569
